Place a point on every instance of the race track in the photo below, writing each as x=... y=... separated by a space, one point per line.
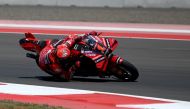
x=164 y=68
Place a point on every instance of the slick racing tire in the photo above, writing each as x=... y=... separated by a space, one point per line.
x=127 y=71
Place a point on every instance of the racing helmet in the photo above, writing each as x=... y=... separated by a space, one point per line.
x=63 y=52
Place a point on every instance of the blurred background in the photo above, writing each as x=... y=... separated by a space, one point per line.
x=123 y=11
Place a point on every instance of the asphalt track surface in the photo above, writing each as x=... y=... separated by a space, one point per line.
x=164 y=68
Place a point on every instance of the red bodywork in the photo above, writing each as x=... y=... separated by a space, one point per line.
x=101 y=60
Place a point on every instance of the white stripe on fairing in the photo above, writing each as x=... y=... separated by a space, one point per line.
x=184 y=31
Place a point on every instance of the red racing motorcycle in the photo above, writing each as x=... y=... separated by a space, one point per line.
x=92 y=62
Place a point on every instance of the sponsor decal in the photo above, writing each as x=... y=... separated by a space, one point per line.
x=99 y=59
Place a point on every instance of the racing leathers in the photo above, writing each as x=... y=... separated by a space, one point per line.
x=58 y=59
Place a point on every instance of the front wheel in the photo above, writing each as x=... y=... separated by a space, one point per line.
x=126 y=71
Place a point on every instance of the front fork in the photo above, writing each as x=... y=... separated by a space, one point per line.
x=114 y=62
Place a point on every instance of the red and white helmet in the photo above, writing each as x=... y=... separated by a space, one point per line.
x=63 y=52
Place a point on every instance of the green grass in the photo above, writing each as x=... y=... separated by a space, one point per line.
x=7 y=104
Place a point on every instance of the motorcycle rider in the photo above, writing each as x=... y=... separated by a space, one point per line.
x=57 y=57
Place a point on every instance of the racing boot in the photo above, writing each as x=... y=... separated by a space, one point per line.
x=30 y=43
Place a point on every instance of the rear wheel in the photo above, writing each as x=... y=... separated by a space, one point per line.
x=126 y=71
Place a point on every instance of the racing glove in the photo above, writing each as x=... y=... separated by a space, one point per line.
x=96 y=45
